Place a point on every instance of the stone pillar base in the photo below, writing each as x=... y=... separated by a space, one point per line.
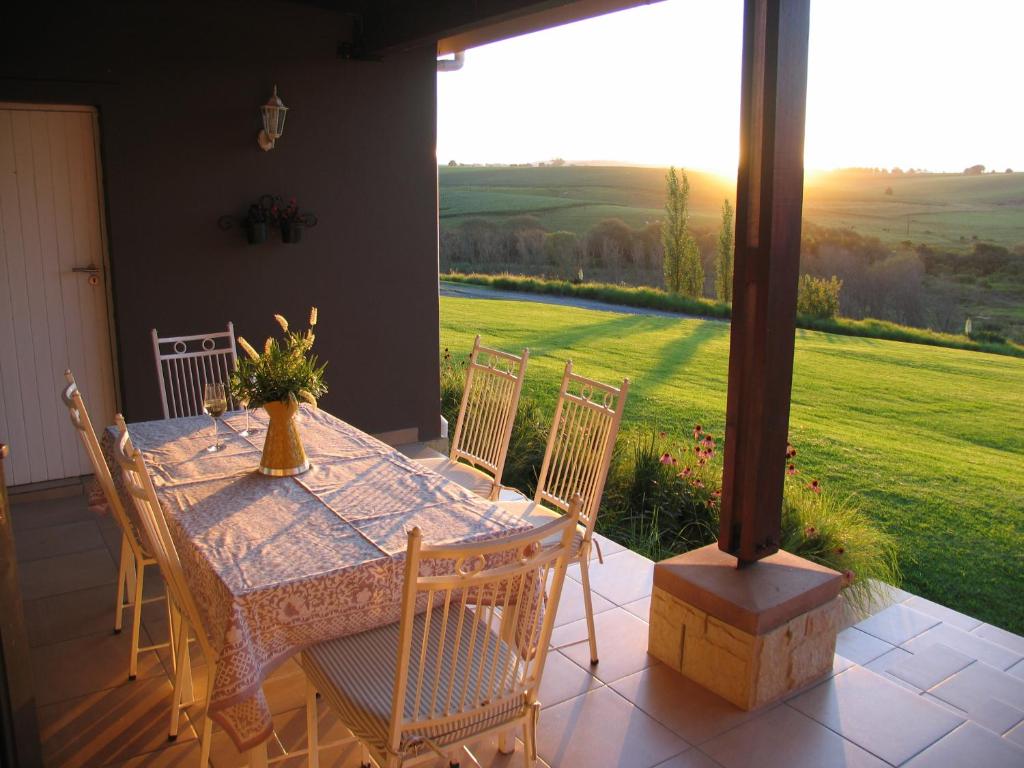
x=750 y=635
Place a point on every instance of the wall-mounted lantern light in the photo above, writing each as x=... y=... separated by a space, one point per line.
x=273 y=114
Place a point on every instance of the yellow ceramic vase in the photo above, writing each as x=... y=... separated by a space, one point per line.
x=283 y=454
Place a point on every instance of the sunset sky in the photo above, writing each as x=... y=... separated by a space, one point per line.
x=930 y=84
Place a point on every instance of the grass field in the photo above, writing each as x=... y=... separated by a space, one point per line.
x=929 y=441
x=937 y=209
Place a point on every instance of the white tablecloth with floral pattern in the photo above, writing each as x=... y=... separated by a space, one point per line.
x=276 y=564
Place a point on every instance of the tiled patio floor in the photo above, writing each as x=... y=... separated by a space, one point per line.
x=916 y=684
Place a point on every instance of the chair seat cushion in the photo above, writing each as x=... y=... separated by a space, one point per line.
x=538 y=515
x=470 y=478
x=356 y=675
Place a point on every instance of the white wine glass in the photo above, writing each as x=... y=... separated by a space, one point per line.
x=215 y=402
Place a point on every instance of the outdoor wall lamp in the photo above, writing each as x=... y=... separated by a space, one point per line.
x=273 y=114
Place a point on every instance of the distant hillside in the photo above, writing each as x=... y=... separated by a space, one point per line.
x=947 y=210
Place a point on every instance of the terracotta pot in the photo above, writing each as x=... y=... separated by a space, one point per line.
x=283 y=454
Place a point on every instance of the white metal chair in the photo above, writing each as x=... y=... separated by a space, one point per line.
x=466 y=658
x=134 y=558
x=576 y=461
x=186 y=623
x=184 y=364
x=494 y=380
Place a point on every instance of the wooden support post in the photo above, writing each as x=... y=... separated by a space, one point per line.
x=769 y=198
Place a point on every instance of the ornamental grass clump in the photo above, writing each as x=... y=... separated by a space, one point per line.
x=285 y=370
x=662 y=496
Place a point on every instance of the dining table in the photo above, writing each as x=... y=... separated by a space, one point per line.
x=276 y=564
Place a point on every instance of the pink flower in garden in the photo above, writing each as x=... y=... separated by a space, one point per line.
x=698 y=483
x=661 y=435
x=697 y=429
x=814 y=486
x=666 y=458
x=810 y=531
x=686 y=472
x=791 y=469
x=840 y=550
x=849 y=576
x=716 y=494
x=790 y=451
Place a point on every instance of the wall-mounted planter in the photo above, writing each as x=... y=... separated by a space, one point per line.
x=256 y=232
x=291 y=231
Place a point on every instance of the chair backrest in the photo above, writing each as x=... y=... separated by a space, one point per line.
x=474 y=633
x=581 y=443
x=185 y=364
x=139 y=486
x=80 y=420
x=494 y=380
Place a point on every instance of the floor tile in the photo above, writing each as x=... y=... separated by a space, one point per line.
x=889 y=721
x=72 y=614
x=170 y=756
x=1000 y=637
x=624 y=577
x=860 y=647
x=621 y=644
x=839 y=663
x=87 y=664
x=57 y=540
x=968 y=644
x=563 y=680
x=785 y=738
x=640 y=608
x=109 y=726
x=1017 y=670
x=608 y=547
x=970 y=744
x=989 y=696
x=883 y=663
x=942 y=613
x=290 y=728
x=570 y=603
x=930 y=667
x=680 y=704
x=40 y=514
x=601 y=728
x=66 y=573
x=897 y=624
x=691 y=758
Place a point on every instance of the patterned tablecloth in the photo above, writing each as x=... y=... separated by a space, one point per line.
x=277 y=564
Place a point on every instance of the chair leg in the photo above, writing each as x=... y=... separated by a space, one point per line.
x=588 y=603
x=205 y=739
x=530 y=737
x=312 y=727
x=122 y=583
x=507 y=742
x=133 y=664
x=180 y=665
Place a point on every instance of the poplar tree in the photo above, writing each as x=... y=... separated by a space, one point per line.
x=724 y=261
x=673 y=230
x=684 y=272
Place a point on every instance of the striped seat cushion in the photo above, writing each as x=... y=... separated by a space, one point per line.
x=538 y=515
x=470 y=478
x=356 y=675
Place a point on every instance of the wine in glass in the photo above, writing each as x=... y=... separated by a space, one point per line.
x=215 y=402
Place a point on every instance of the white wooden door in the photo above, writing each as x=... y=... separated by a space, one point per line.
x=52 y=317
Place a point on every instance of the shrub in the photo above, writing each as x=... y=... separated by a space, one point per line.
x=662 y=495
x=833 y=532
x=817 y=297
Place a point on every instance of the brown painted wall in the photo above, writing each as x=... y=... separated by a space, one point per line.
x=178 y=86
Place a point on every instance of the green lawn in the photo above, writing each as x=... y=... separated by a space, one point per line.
x=930 y=441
